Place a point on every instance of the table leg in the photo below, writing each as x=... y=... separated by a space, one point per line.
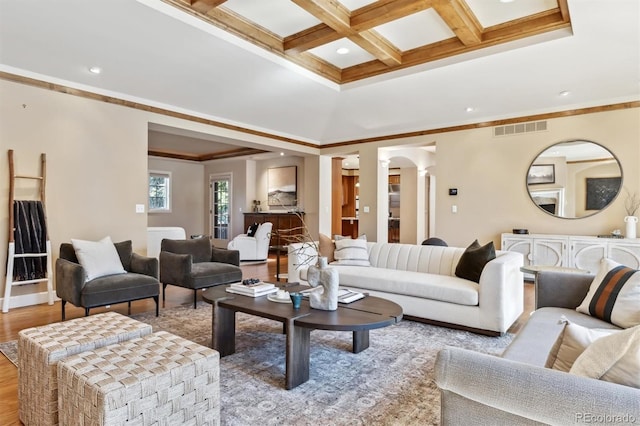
x=223 y=330
x=360 y=341
x=297 y=356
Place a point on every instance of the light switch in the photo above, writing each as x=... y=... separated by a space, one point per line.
x=366 y=209
x=139 y=208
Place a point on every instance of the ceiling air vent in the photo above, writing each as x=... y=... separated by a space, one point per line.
x=516 y=129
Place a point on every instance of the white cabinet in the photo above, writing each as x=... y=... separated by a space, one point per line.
x=573 y=251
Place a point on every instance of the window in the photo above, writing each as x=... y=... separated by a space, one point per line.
x=159 y=191
x=220 y=206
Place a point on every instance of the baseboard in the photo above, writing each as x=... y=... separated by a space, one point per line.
x=28 y=299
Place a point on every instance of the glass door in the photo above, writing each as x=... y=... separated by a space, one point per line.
x=220 y=211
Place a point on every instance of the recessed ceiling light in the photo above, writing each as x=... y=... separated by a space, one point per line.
x=282 y=154
x=95 y=70
x=342 y=51
x=470 y=109
x=564 y=93
x=506 y=1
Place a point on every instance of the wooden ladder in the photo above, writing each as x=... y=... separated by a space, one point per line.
x=11 y=255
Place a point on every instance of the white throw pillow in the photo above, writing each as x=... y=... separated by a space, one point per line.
x=351 y=252
x=573 y=340
x=614 y=295
x=98 y=258
x=614 y=358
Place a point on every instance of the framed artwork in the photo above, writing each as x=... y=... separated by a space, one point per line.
x=601 y=191
x=541 y=173
x=282 y=186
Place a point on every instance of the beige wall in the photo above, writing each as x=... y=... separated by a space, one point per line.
x=187 y=201
x=489 y=173
x=96 y=166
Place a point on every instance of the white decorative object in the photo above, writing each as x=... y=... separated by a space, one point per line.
x=632 y=223
x=327 y=277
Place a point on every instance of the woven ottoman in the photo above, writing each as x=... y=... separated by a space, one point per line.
x=157 y=379
x=41 y=348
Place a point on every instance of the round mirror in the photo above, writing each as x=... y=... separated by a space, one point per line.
x=574 y=179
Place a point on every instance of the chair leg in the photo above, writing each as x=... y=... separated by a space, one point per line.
x=129 y=308
x=156 y=299
x=195 y=298
x=64 y=302
x=164 y=288
x=86 y=312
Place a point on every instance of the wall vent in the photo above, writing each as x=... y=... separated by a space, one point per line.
x=516 y=129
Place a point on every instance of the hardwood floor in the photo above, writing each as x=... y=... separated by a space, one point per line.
x=32 y=316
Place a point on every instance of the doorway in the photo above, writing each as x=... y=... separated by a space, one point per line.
x=220 y=211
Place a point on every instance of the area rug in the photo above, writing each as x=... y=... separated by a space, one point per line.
x=390 y=383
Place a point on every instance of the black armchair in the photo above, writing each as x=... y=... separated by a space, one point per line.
x=139 y=282
x=195 y=264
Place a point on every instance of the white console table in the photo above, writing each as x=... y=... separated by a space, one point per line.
x=572 y=251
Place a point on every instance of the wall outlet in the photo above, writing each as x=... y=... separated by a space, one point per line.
x=139 y=208
x=454 y=209
x=366 y=209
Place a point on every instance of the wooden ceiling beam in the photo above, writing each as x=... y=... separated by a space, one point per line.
x=203 y=6
x=336 y=16
x=383 y=11
x=543 y=22
x=311 y=37
x=459 y=18
x=372 y=42
x=219 y=155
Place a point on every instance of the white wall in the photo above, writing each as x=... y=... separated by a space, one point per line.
x=96 y=166
x=188 y=201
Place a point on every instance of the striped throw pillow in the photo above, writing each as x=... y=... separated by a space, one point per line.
x=351 y=252
x=614 y=295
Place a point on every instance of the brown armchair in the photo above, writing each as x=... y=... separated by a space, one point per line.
x=195 y=264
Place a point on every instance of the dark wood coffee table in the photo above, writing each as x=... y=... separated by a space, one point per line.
x=359 y=317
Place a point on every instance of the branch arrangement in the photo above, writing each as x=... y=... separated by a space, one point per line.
x=631 y=203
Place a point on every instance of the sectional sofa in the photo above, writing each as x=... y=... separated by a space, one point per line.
x=422 y=280
x=517 y=389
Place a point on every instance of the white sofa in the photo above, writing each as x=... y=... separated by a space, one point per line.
x=255 y=247
x=422 y=280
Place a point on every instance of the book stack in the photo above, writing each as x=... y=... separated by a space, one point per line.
x=253 y=290
x=348 y=296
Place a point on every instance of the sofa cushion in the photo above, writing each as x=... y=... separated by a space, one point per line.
x=208 y=274
x=614 y=295
x=199 y=248
x=473 y=260
x=573 y=340
x=417 y=284
x=351 y=252
x=118 y=288
x=98 y=258
x=252 y=229
x=534 y=342
x=326 y=247
x=614 y=358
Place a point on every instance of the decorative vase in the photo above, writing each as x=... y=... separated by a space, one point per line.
x=632 y=223
x=326 y=277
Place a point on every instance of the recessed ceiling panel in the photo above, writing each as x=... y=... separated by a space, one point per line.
x=329 y=52
x=494 y=12
x=416 y=30
x=356 y=4
x=281 y=17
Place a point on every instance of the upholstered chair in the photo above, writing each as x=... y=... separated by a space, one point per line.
x=140 y=280
x=254 y=247
x=196 y=265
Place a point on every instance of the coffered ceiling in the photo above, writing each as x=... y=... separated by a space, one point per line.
x=189 y=62
x=349 y=40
